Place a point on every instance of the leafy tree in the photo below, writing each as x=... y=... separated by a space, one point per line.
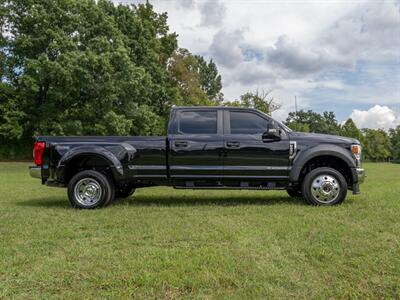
x=3 y=39
x=329 y=123
x=183 y=69
x=150 y=123
x=76 y=67
x=258 y=100
x=10 y=116
x=394 y=134
x=210 y=80
x=313 y=122
x=299 y=126
x=151 y=46
x=79 y=67
x=377 y=145
x=350 y=129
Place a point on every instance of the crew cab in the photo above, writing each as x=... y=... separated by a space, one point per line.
x=205 y=148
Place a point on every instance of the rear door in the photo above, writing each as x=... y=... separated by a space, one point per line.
x=196 y=144
x=247 y=155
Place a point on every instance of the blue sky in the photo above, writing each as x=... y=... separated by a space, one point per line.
x=368 y=84
x=342 y=56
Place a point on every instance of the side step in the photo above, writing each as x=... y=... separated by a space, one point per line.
x=240 y=186
x=229 y=188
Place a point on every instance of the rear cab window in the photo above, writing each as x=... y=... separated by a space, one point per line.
x=197 y=122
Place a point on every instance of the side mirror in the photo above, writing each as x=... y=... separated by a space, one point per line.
x=273 y=133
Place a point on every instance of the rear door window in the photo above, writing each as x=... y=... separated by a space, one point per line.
x=198 y=122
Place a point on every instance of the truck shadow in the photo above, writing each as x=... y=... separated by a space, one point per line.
x=204 y=201
x=48 y=202
x=168 y=201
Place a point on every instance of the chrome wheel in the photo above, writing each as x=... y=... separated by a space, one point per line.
x=325 y=188
x=87 y=191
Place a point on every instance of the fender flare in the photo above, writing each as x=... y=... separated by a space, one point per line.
x=63 y=165
x=321 y=150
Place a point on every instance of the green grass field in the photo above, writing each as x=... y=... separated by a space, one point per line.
x=164 y=243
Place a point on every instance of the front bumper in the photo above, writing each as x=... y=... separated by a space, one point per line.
x=361 y=175
x=35 y=172
x=358 y=177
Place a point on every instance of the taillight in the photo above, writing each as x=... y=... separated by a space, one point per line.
x=38 y=150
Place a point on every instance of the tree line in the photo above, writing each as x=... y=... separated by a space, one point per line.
x=86 y=67
x=89 y=67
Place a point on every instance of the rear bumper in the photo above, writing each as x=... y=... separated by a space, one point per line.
x=35 y=172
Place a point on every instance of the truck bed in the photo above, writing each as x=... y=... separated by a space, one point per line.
x=138 y=156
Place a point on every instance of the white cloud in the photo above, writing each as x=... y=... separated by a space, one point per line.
x=342 y=53
x=294 y=59
x=376 y=117
x=212 y=13
x=225 y=48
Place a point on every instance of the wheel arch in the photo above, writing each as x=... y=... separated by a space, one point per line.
x=86 y=158
x=332 y=156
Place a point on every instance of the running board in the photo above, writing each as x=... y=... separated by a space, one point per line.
x=229 y=188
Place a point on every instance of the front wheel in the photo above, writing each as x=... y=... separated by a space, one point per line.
x=324 y=186
x=90 y=189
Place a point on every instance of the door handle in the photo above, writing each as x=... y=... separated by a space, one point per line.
x=181 y=144
x=233 y=144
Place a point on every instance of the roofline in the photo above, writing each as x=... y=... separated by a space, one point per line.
x=214 y=107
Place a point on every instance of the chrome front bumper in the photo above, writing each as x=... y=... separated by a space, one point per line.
x=35 y=172
x=361 y=175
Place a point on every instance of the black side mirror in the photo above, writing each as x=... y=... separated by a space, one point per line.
x=273 y=133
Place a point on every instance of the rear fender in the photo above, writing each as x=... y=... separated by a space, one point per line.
x=125 y=151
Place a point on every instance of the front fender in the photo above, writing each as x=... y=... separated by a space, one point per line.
x=321 y=150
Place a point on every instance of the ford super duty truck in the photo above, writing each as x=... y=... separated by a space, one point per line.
x=205 y=148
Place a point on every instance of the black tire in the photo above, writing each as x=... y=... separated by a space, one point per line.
x=82 y=185
x=124 y=192
x=324 y=186
x=294 y=192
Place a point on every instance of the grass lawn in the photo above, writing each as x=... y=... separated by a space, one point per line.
x=165 y=243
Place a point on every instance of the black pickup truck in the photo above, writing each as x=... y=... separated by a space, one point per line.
x=206 y=148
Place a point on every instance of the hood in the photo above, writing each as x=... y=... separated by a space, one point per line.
x=323 y=138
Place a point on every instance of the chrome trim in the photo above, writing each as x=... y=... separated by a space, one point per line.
x=230 y=176
x=230 y=168
x=292 y=149
x=35 y=172
x=147 y=167
x=361 y=175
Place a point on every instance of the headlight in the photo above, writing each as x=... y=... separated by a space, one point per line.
x=356 y=150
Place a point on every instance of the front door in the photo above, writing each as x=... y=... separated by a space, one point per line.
x=248 y=157
x=196 y=145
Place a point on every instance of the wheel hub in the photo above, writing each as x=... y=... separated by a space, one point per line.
x=87 y=191
x=325 y=188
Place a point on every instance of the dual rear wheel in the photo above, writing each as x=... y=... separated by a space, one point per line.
x=91 y=189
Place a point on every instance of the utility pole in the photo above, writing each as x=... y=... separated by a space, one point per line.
x=295 y=108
